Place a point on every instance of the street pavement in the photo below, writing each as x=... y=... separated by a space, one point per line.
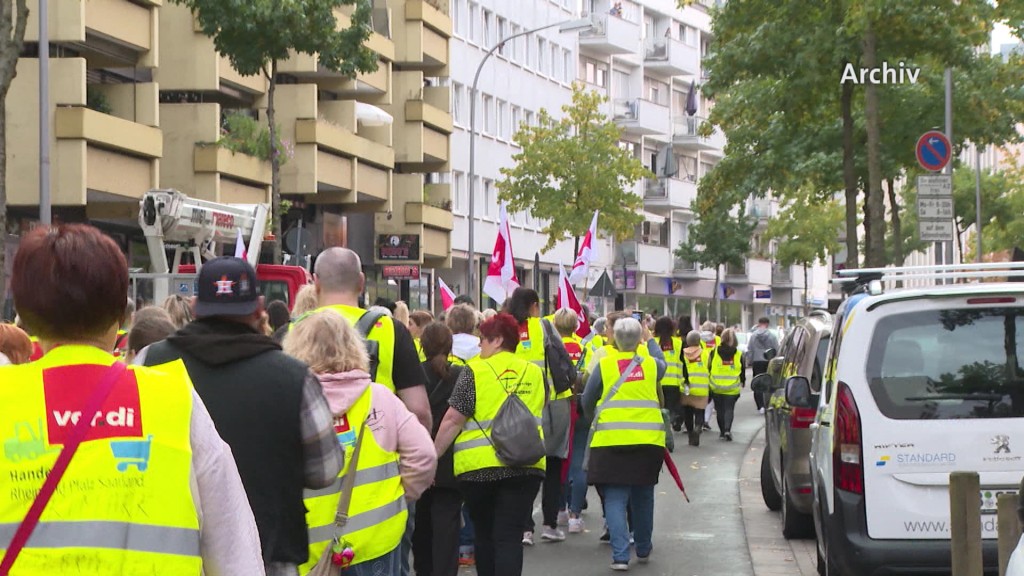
x=702 y=538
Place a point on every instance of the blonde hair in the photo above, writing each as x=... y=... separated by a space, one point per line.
x=327 y=343
x=488 y=314
x=305 y=300
x=401 y=312
x=179 y=309
x=729 y=338
x=566 y=322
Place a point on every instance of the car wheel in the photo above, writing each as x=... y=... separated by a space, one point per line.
x=772 y=498
x=794 y=524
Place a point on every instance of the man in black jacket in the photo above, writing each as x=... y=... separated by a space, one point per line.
x=266 y=405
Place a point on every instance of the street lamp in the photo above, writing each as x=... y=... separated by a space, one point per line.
x=579 y=25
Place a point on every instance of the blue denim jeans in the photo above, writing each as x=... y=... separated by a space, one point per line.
x=577 y=479
x=617 y=499
x=466 y=533
x=405 y=549
x=389 y=564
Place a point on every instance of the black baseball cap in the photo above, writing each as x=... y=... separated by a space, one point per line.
x=227 y=287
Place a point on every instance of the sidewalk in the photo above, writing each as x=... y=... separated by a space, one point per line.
x=770 y=553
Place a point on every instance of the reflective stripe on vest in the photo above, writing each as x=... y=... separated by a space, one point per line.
x=377 y=511
x=473 y=451
x=125 y=503
x=725 y=379
x=633 y=415
x=383 y=332
x=698 y=374
x=531 y=349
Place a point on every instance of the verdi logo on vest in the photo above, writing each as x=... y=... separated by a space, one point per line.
x=66 y=392
x=634 y=376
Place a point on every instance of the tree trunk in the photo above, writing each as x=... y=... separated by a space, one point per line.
x=716 y=298
x=275 y=167
x=807 y=291
x=13 y=21
x=849 y=176
x=897 y=224
x=875 y=246
x=960 y=237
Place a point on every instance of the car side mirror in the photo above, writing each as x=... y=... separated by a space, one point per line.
x=769 y=353
x=798 y=392
x=761 y=383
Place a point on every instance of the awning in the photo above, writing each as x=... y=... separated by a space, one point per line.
x=370 y=115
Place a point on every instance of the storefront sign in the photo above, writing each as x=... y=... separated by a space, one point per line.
x=398 y=247
x=401 y=272
x=625 y=279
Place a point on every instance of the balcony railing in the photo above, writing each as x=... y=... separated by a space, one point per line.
x=654 y=188
x=782 y=275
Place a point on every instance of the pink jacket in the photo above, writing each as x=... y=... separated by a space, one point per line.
x=398 y=430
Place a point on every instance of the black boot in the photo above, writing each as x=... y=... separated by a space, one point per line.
x=694 y=438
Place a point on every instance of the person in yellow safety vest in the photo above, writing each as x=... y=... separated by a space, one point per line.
x=695 y=387
x=728 y=374
x=524 y=306
x=462 y=320
x=672 y=383
x=496 y=495
x=418 y=320
x=151 y=464
x=396 y=460
x=595 y=339
x=627 y=441
x=339 y=281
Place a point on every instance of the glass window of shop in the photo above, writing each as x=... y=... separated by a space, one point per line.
x=415 y=293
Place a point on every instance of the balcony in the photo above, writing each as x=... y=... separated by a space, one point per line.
x=430 y=216
x=686 y=135
x=782 y=276
x=108 y=33
x=341 y=162
x=737 y=274
x=671 y=57
x=642 y=117
x=422 y=126
x=424 y=215
x=653 y=259
x=662 y=196
x=611 y=35
x=684 y=268
x=424 y=44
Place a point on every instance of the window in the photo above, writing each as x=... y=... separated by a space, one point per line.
x=474 y=22
x=515 y=52
x=490 y=199
x=527 y=52
x=556 y=62
x=457 y=16
x=460 y=200
x=687 y=168
x=530 y=118
x=542 y=55
x=567 y=71
x=656 y=91
x=517 y=117
x=502 y=33
x=458 y=102
x=488 y=113
x=688 y=34
x=503 y=127
x=486 y=21
x=594 y=72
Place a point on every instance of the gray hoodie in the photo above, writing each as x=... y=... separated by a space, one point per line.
x=761 y=339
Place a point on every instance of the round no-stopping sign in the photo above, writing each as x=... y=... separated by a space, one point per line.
x=933 y=150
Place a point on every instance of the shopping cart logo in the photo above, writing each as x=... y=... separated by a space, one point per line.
x=132 y=453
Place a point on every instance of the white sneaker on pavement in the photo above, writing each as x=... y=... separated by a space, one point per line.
x=760 y=410
x=527 y=538
x=552 y=535
x=620 y=567
x=563 y=517
x=575 y=525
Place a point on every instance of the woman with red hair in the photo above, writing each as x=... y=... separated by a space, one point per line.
x=496 y=494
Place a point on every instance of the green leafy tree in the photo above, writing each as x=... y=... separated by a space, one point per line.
x=718 y=238
x=568 y=167
x=257 y=34
x=13 y=20
x=805 y=232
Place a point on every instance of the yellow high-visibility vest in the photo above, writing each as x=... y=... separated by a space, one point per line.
x=531 y=349
x=125 y=503
x=377 y=512
x=494 y=379
x=383 y=332
x=419 y=349
x=633 y=415
x=698 y=373
x=725 y=373
x=673 y=366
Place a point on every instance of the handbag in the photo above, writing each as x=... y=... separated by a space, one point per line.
x=325 y=565
x=74 y=440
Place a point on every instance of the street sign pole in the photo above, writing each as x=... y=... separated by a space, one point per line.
x=935 y=192
x=949 y=139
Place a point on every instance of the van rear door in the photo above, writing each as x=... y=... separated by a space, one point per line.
x=946 y=393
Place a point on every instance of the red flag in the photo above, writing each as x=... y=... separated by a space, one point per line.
x=447 y=296
x=579 y=267
x=566 y=298
x=501 y=272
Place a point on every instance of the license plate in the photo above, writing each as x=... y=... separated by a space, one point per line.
x=990 y=498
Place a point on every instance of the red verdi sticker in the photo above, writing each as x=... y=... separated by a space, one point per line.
x=67 y=389
x=635 y=375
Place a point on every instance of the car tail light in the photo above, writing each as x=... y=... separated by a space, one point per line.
x=801 y=417
x=847 y=452
x=992 y=300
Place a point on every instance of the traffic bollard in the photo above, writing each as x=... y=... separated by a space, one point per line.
x=1009 y=529
x=965 y=523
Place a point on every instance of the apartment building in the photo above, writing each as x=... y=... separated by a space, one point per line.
x=646 y=57
x=140 y=99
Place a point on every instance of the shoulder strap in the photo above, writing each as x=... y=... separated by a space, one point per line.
x=622 y=378
x=35 y=511
x=367 y=321
x=711 y=357
x=341 y=519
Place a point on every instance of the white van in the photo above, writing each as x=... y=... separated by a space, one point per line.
x=918 y=384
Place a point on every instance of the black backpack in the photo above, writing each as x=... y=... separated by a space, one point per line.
x=366 y=323
x=557 y=360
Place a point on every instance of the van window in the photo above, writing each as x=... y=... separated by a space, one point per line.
x=942 y=364
x=819 y=363
x=275 y=290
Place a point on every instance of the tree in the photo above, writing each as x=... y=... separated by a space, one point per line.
x=718 y=238
x=567 y=168
x=805 y=232
x=257 y=34
x=13 y=20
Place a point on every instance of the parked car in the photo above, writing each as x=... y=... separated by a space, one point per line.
x=917 y=383
x=785 y=468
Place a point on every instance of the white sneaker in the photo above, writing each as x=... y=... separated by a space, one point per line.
x=563 y=517
x=620 y=567
x=760 y=410
x=527 y=538
x=575 y=525
x=552 y=535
